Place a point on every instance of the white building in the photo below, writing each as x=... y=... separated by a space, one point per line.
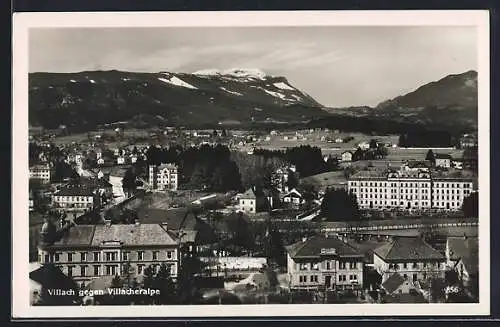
x=324 y=262
x=164 y=177
x=40 y=172
x=409 y=190
x=346 y=156
x=78 y=199
x=411 y=257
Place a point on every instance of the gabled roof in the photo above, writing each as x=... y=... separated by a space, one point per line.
x=408 y=248
x=393 y=283
x=293 y=192
x=249 y=194
x=75 y=191
x=311 y=248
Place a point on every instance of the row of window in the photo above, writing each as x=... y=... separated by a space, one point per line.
x=406 y=197
x=109 y=270
x=415 y=265
x=314 y=278
x=328 y=265
x=417 y=185
x=74 y=198
x=109 y=256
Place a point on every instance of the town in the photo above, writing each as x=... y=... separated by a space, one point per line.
x=235 y=216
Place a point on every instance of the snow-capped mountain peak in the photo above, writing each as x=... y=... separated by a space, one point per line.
x=233 y=72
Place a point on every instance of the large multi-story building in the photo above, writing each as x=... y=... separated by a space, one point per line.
x=409 y=189
x=163 y=177
x=42 y=173
x=324 y=262
x=411 y=257
x=87 y=252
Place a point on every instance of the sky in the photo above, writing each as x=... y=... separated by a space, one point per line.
x=339 y=66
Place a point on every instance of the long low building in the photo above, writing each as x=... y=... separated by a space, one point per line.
x=407 y=190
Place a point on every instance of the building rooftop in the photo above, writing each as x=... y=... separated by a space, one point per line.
x=442 y=156
x=75 y=191
x=167 y=166
x=408 y=248
x=133 y=234
x=312 y=247
x=393 y=283
x=248 y=194
x=466 y=249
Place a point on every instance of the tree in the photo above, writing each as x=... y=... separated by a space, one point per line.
x=276 y=250
x=430 y=156
x=224 y=133
x=292 y=181
x=470 y=206
x=373 y=144
x=164 y=283
x=338 y=205
x=129 y=182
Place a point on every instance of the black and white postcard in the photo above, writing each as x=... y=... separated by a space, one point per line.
x=230 y=164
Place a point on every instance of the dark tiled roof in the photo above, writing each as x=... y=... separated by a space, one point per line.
x=50 y=276
x=77 y=235
x=408 y=248
x=312 y=247
x=132 y=234
x=442 y=156
x=393 y=283
x=467 y=250
x=180 y=218
x=75 y=191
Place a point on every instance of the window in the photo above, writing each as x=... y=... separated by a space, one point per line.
x=303 y=266
x=140 y=255
x=315 y=266
x=405 y=265
x=342 y=278
x=70 y=271
x=83 y=271
x=97 y=270
x=96 y=256
x=314 y=278
x=302 y=279
x=111 y=256
x=328 y=266
x=353 y=265
x=125 y=256
x=110 y=270
x=405 y=276
x=155 y=255
x=83 y=256
x=70 y=257
x=140 y=269
x=170 y=254
x=56 y=256
x=342 y=265
x=353 y=277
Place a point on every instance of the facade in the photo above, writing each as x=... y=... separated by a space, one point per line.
x=411 y=257
x=442 y=160
x=294 y=198
x=75 y=198
x=164 y=177
x=324 y=262
x=346 y=156
x=42 y=173
x=87 y=252
x=407 y=190
x=247 y=202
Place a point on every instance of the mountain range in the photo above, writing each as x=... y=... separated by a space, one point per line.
x=237 y=96
x=209 y=96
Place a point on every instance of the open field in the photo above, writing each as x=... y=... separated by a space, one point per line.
x=322 y=181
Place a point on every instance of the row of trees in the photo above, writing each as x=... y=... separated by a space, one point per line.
x=425 y=139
